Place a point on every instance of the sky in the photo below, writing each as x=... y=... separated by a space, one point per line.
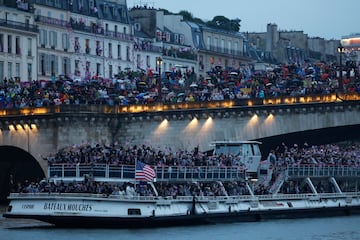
x=329 y=19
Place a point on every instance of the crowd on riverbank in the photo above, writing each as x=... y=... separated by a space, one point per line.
x=178 y=85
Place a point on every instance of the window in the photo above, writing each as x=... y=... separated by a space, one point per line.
x=182 y=39
x=17 y=69
x=176 y=38
x=42 y=64
x=229 y=46
x=98 y=48
x=65 y=41
x=29 y=71
x=53 y=39
x=29 y=53
x=110 y=71
x=134 y=211
x=222 y=45
x=10 y=74
x=1 y=43
x=17 y=46
x=77 y=69
x=87 y=46
x=148 y=61
x=87 y=70
x=9 y=43
x=208 y=43
x=110 y=50
x=158 y=35
x=216 y=44
x=138 y=61
x=2 y=71
x=128 y=53
x=43 y=38
x=66 y=69
x=98 y=69
x=119 y=51
x=52 y=65
x=76 y=45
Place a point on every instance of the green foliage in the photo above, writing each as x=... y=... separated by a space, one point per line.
x=187 y=16
x=224 y=23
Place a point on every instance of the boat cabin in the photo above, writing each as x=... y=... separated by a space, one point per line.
x=248 y=152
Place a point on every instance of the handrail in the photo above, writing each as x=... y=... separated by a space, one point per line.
x=183 y=173
x=322 y=171
x=268 y=197
x=126 y=172
x=292 y=102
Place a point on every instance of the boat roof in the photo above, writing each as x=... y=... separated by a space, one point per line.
x=214 y=143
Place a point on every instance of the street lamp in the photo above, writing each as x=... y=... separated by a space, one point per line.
x=159 y=63
x=340 y=51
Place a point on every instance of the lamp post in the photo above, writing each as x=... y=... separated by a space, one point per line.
x=159 y=63
x=340 y=51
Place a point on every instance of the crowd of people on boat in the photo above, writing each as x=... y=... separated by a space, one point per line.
x=340 y=154
x=336 y=154
x=177 y=85
x=130 y=189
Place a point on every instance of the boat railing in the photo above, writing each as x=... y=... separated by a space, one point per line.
x=228 y=199
x=126 y=172
x=322 y=171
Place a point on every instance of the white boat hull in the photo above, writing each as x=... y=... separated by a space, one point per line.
x=101 y=211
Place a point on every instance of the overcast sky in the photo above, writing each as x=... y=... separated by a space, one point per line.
x=329 y=19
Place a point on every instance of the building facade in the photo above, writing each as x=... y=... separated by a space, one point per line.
x=83 y=39
x=18 y=38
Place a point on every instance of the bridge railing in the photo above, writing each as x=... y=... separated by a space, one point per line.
x=144 y=108
x=126 y=172
x=322 y=171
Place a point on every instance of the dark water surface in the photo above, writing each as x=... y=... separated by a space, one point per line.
x=336 y=228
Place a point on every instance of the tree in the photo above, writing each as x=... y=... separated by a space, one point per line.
x=187 y=16
x=224 y=23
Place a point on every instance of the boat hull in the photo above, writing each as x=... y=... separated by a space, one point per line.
x=119 y=213
x=186 y=220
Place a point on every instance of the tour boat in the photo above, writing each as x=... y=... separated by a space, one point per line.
x=333 y=191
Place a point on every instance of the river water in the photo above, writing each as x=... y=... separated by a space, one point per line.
x=335 y=228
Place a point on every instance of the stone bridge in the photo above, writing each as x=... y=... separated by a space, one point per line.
x=27 y=135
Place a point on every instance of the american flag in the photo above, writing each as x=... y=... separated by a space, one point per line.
x=144 y=172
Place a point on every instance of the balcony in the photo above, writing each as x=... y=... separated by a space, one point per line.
x=119 y=36
x=80 y=26
x=63 y=5
x=52 y=21
x=19 y=26
x=227 y=51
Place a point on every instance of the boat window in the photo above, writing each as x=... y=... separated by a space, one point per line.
x=229 y=149
x=255 y=149
x=134 y=211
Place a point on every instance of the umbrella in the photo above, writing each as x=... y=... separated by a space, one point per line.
x=181 y=94
x=234 y=73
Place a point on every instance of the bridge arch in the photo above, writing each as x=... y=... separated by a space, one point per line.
x=17 y=165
